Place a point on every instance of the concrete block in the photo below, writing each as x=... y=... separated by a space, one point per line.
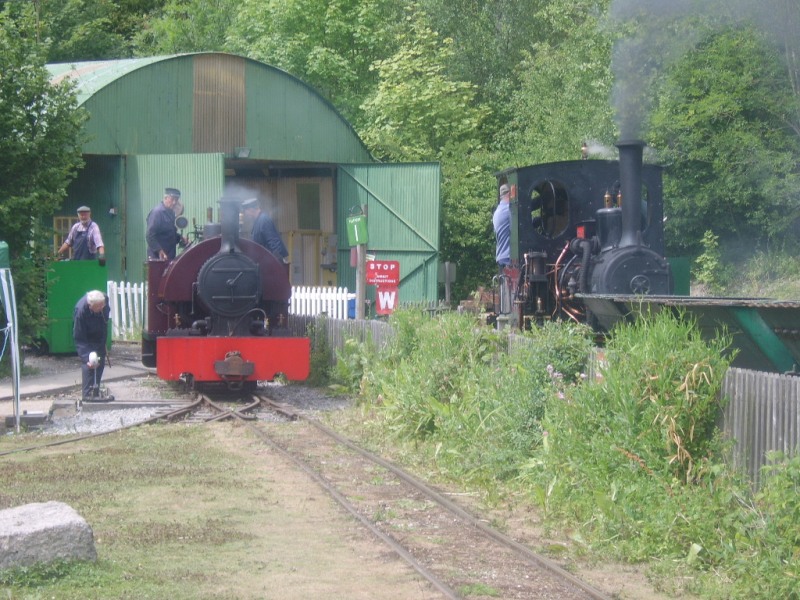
x=64 y=408
x=27 y=419
x=43 y=532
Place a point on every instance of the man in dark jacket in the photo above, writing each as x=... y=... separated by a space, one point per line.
x=90 y=332
x=162 y=235
x=264 y=231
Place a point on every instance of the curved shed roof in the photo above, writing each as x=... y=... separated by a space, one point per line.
x=204 y=103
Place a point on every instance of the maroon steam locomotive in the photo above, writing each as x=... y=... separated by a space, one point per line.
x=218 y=312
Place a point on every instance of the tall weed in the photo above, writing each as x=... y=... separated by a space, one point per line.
x=631 y=460
x=620 y=449
x=453 y=383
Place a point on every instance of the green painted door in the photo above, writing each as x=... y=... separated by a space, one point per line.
x=67 y=282
x=402 y=207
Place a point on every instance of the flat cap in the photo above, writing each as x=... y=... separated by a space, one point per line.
x=504 y=190
x=84 y=209
x=250 y=203
x=172 y=192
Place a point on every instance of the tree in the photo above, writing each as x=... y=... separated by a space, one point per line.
x=416 y=109
x=40 y=151
x=186 y=26
x=82 y=30
x=565 y=88
x=329 y=44
x=722 y=126
x=491 y=38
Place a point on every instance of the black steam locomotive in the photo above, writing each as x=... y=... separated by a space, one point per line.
x=583 y=227
x=218 y=312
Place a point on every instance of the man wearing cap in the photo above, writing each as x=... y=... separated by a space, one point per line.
x=162 y=235
x=85 y=239
x=501 y=220
x=264 y=230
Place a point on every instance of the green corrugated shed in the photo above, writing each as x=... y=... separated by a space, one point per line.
x=216 y=124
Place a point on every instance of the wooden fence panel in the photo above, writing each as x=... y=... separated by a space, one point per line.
x=317 y=300
x=127 y=302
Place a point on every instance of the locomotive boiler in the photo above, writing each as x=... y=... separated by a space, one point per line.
x=218 y=312
x=583 y=227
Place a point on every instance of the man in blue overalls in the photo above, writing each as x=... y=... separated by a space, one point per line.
x=85 y=239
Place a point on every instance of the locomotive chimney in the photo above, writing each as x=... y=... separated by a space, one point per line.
x=229 y=222
x=630 y=178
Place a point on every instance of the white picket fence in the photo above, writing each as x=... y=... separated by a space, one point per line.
x=128 y=302
x=312 y=301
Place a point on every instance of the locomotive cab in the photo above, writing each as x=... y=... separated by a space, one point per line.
x=585 y=227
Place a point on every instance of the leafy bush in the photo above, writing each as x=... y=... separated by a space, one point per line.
x=454 y=383
x=767 y=562
x=631 y=461
x=320 y=360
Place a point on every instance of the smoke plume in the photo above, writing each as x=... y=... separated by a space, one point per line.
x=664 y=30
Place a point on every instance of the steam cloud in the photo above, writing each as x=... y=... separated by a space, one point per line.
x=665 y=30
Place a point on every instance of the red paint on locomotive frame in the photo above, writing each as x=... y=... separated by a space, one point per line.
x=177 y=356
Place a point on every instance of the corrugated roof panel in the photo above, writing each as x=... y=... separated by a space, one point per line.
x=219 y=103
x=288 y=120
x=92 y=76
x=210 y=102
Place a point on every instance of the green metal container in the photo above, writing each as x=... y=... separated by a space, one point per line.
x=680 y=275
x=67 y=281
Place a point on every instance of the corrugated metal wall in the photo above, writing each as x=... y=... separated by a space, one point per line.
x=209 y=102
x=403 y=214
x=220 y=104
x=763 y=414
x=287 y=120
x=148 y=111
x=198 y=176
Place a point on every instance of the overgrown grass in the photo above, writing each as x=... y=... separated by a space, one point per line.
x=631 y=461
x=768 y=275
x=452 y=384
x=760 y=274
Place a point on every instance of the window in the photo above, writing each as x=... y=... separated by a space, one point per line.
x=308 y=206
x=549 y=208
x=61 y=227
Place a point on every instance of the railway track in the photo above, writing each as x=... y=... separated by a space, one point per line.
x=457 y=553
